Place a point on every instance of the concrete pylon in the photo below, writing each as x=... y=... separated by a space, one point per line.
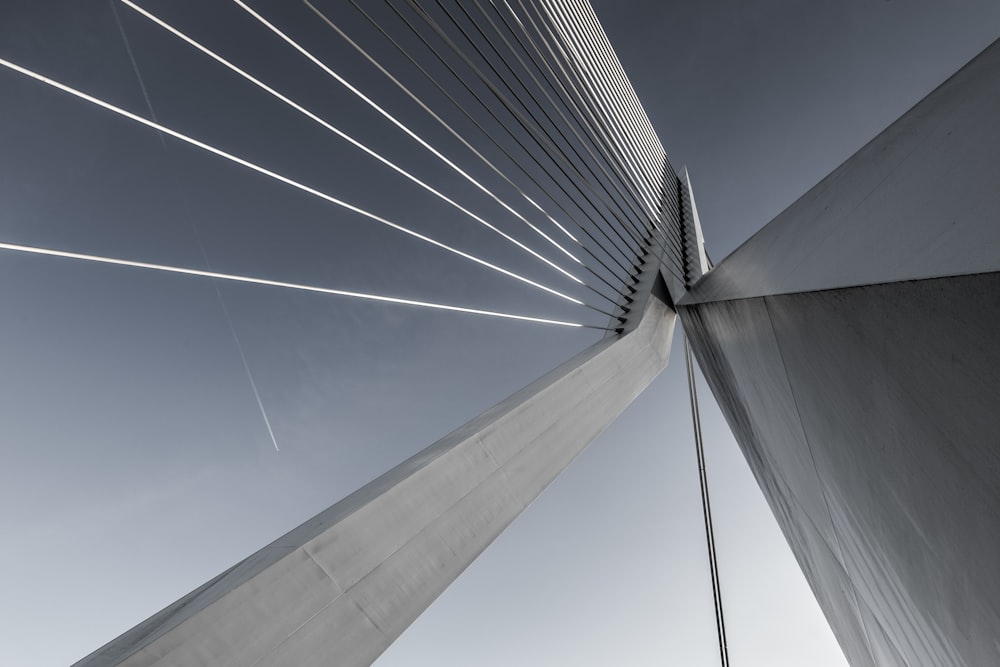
x=342 y=586
x=852 y=346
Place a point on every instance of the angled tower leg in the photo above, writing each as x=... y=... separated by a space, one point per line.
x=342 y=586
x=852 y=345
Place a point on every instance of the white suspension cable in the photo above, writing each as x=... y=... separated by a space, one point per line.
x=590 y=27
x=326 y=19
x=575 y=153
x=632 y=117
x=594 y=70
x=528 y=123
x=278 y=177
x=626 y=95
x=34 y=250
x=573 y=96
x=582 y=88
x=383 y=112
x=484 y=130
x=357 y=144
x=587 y=12
x=584 y=138
x=194 y=227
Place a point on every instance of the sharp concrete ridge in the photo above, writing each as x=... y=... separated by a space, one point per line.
x=852 y=346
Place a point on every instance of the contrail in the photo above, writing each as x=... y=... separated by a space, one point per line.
x=246 y=365
x=278 y=177
x=194 y=227
x=277 y=283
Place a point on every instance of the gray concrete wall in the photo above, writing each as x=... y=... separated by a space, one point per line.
x=922 y=199
x=869 y=418
x=852 y=346
x=341 y=587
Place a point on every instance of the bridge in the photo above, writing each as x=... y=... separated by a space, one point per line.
x=616 y=226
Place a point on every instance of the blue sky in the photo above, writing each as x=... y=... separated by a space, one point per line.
x=137 y=464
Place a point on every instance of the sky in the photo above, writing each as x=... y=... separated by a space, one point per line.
x=137 y=463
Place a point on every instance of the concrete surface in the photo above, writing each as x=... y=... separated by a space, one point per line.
x=341 y=587
x=869 y=417
x=922 y=199
x=852 y=346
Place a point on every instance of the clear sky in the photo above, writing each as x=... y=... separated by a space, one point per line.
x=137 y=463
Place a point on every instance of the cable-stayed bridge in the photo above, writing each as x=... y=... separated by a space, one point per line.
x=489 y=160
x=562 y=201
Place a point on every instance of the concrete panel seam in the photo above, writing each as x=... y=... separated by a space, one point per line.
x=822 y=490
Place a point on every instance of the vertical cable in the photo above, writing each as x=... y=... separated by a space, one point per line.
x=720 y=621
